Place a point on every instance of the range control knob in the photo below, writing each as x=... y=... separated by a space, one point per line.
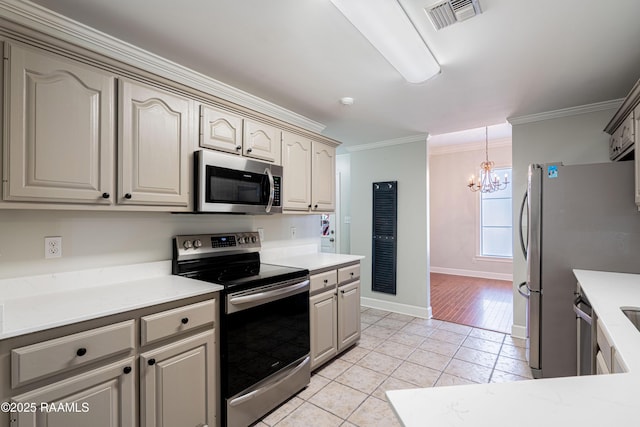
x=253 y=239
x=197 y=243
x=187 y=244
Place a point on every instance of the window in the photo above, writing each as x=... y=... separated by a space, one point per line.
x=496 y=223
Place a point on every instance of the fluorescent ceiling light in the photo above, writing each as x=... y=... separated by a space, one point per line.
x=387 y=27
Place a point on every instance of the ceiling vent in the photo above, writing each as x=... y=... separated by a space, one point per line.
x=449 y=12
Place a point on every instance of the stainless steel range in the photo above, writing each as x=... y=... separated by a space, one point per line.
x=264 y=321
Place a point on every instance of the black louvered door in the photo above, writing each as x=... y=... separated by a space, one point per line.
x=384 y=244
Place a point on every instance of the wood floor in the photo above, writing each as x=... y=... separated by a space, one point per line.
x=481 y=303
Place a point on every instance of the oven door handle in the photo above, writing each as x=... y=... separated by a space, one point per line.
x=272 y=190
x=281 y=378
x=246 y=299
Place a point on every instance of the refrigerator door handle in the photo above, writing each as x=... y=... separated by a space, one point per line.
x=520 y=291
x=524 y=205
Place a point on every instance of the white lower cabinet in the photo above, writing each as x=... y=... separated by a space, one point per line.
x=90 y=377
x=323 y=321
x=348 y=314
x=334 y=312
x=104 y=397
x=177 y=386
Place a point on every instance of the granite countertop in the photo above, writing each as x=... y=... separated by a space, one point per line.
x=585 y=401
x=34 y=303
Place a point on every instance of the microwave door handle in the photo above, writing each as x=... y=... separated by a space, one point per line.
x=272 y=190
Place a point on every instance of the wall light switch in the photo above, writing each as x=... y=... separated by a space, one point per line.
x=293 y=232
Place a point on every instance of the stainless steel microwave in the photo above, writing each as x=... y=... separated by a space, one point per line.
x=233 y=184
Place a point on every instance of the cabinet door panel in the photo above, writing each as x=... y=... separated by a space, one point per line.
x=220 y=130
x=103 y=397
x=296 y=164
x=153 y=151
x=261 y=142
x=348 y=314
x=323 y=169
x=177 y=383
x=323 y=312
x=60 y=134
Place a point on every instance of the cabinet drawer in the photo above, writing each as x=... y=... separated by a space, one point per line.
x=50 y=357
x=346 y=274
x=323 y=280
x=604 y=345
x=601 y=365
x=177 y=321
x=618 y=364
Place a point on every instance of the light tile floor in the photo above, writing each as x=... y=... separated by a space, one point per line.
x=397 y=351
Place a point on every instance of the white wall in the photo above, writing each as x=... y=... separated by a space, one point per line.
x=407 y=164
x=454 y=211
x=343 y=168
x=97 y=239
x=573 y=140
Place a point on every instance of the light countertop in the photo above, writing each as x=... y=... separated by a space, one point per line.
x=35 y=303
x=315 y=261
x=585 y=401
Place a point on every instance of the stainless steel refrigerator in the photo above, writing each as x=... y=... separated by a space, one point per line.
x=579 y=216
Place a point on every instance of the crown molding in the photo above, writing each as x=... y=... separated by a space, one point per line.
x=566 y=112
x=437 y=150
x=38 y=18
x=389 y=143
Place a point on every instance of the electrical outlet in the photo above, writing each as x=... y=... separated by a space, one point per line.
x=53 y=247
x=261 y=233
x=293 y=232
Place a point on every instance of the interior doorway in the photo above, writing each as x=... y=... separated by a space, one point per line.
x=470 y=274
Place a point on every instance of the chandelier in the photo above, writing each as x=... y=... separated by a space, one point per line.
x=488 y=181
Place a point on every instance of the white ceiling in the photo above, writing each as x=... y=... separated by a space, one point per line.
x=518 y=57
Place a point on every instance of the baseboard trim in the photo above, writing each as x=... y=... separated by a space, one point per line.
x=472 y=273
x=518 y=331
x=395 y=307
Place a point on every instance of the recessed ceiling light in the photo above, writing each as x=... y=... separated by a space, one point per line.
x=347 y=100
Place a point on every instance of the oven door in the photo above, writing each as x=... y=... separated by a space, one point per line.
x=265 y=349
x=227 y=184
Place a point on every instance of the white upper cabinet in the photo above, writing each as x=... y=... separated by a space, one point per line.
x=309 y=174
x=154 y=143
x=60 y=133
x=261 y=141
x=323 y=177
x=296 y=164
x=220 y=130
x=231 y=133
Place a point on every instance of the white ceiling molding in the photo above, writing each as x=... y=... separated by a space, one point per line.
x=566 y=112
x=389 y=142
x=38 y=18
x=469 y=146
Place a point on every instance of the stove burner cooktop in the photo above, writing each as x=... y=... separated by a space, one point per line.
x=235 y=265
